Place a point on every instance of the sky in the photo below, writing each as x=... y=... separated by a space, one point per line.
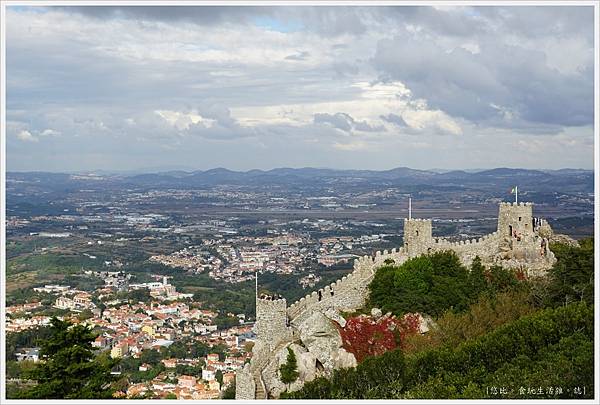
x=348 y=87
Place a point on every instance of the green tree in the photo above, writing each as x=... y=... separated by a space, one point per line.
x=552 y=347
x=434 y=283
x=170 y=395
x=178 y=350
x=70 y=369
x=289 y=370
x=85 y=314
x=572 y=277
x=229 y=392
x=226 y=322
x=151 y=356
x=477 y=280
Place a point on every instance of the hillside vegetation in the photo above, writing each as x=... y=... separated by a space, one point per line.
x=496 y=336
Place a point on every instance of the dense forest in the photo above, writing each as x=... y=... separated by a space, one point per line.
x=498 y=334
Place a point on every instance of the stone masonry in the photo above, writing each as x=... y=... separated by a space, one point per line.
x=520 y=242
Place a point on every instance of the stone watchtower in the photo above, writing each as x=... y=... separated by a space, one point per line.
x=271 y=322
x=417 y=236
x=515 y=220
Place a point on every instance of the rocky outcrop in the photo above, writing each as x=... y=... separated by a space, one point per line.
x=318 y=352
x=321 y=338
x=307 y=367
x=376 y=313
x=335 y=316
x=271 y=376
x=545 y=231
x=343 y=359
x=520 y=243
x=564 y=239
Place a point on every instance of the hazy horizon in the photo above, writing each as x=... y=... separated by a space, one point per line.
x=192 y=170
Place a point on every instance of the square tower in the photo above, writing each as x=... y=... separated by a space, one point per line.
x=417 y=236
x=271 y=321
x=515 y=220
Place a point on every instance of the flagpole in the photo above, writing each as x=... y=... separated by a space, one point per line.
x=516 y=194
x=409 y=207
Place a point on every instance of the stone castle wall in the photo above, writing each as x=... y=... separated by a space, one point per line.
x=521 y=248
x=271 y=322
x=347 y=294
x=515 y=217
x=417 y=236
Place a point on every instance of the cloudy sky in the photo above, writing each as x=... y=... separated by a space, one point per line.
x=125 y=88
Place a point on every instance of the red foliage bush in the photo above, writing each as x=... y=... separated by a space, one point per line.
x=364 y=336
x=520 y=274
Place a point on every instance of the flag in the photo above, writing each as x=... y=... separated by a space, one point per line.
x=513 y=190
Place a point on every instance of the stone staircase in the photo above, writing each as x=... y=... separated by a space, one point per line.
x=259 y=393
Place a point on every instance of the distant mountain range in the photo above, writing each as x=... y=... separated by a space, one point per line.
x=563 y=180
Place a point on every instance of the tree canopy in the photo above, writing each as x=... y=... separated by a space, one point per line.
x=69 y=368
x=431 y=284
x=553 y=347
x=289 y=370
x=494 y=328
x=572 y=277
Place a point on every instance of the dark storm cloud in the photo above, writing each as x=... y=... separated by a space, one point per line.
x=538 y=21
x=205 y=15
x=469 y=85
x=325 y=20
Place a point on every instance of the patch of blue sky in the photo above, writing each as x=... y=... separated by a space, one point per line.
x=273 y=24
x=27 y=9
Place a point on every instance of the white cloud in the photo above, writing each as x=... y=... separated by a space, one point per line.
x=367 y=104
x=159 y=83
x=183 y=121
x=351 y=146
x=49 y=132
x=26 y=136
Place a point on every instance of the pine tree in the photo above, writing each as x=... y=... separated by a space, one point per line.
x=69 y=368
x=289 y=370
x=477 y=280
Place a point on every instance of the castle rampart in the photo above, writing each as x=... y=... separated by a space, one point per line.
x=271 y=320
x=520 y=242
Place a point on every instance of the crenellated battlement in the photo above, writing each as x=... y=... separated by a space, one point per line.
x=271 y=321
x=418 y=240
x=271 y=301
x=519 y=242
x=515 y=204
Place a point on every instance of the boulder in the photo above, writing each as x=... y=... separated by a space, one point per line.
x=376 y=313
x=343 y=359
x=334 y=315
x=307 y=366
x=545 y=230
x=321 y=338
x=270 y=373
